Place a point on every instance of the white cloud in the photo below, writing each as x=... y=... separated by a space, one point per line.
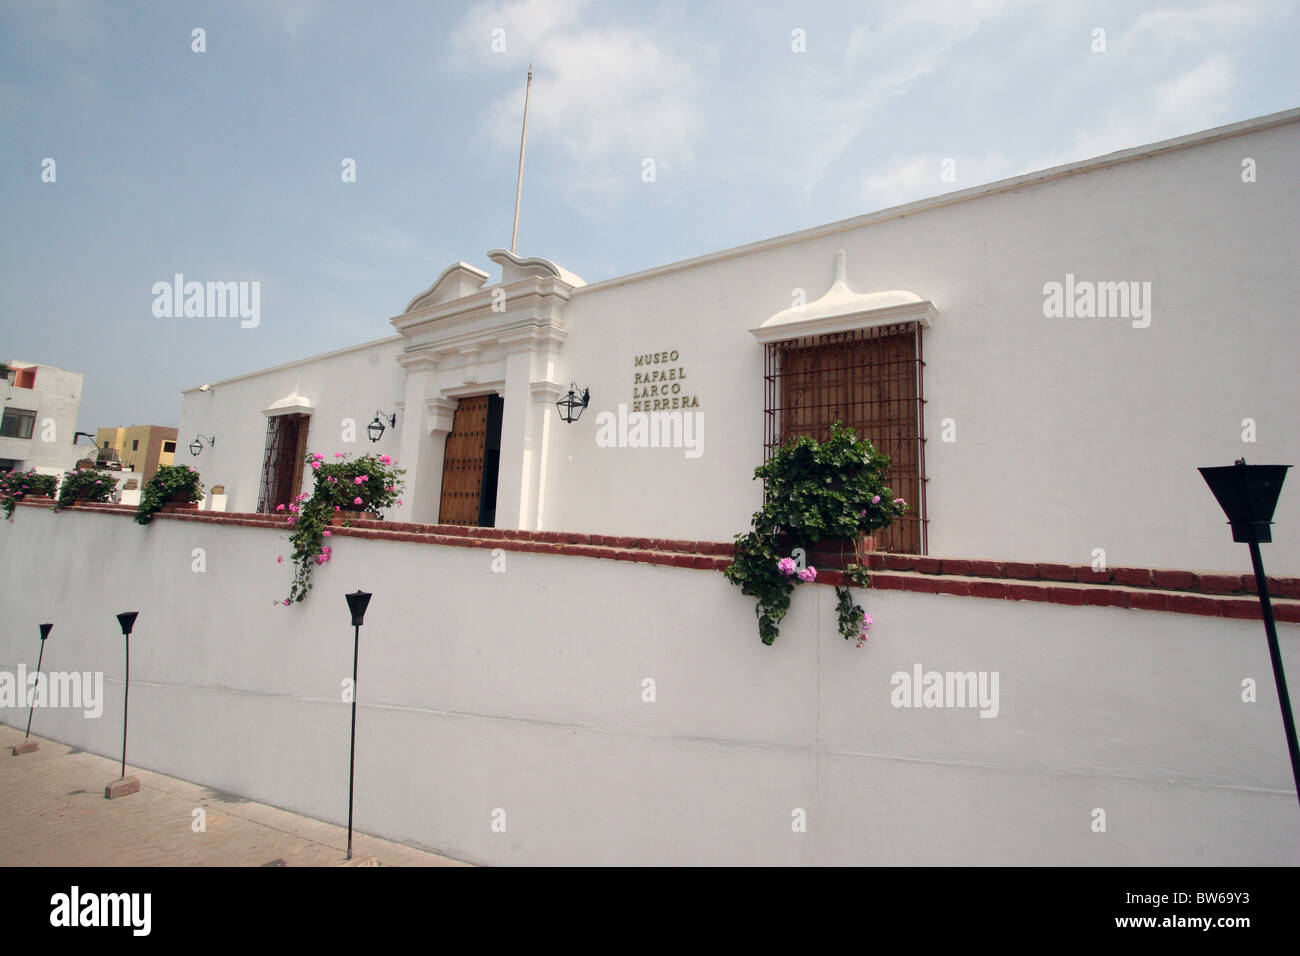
x=606 y=96
x=905 y=179
x=882 y=59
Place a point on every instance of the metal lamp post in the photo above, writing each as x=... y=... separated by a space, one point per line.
x=1248 y=496
x=125 y=785
x=28 y=745
x=358 y=601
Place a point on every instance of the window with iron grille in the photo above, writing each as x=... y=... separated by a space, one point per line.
x=871 y=380
x=282 y=460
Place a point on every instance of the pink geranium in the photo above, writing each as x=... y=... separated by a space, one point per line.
x=356 y=501
x=786 y=566
x=807 y=574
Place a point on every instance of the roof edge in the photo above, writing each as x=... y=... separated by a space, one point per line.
x=1253 y=125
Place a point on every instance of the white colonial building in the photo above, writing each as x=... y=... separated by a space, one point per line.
x=1047 y=359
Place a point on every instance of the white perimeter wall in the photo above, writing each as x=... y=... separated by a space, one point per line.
x=522 y=691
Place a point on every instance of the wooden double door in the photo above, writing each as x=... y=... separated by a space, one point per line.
x=471 y=463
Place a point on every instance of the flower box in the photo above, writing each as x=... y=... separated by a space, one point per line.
x=833 y=554
x=339 y=517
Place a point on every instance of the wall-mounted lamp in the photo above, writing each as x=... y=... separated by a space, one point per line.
x=196 y=446
x=573 y=404
x=376 y=428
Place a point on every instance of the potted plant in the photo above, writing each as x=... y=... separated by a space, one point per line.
x=18 y=485
x=344 y=489
x=172 y=488
x=820 y=499
x=84 y=484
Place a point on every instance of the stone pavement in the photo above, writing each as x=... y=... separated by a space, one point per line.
x=53 y=813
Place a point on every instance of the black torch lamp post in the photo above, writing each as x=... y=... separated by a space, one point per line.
x=28 y=745
x=125 y=785
x=1248 y=496
x=358 y=601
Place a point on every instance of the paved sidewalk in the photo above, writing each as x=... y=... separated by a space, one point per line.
x=53 y=813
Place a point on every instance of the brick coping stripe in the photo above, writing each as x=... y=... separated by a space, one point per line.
x=1212 y=593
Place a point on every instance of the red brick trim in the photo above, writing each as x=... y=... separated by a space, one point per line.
x=1206 y=593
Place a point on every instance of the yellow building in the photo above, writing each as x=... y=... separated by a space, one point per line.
x=140 y=448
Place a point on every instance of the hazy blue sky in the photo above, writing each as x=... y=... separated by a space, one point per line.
x=225 y=165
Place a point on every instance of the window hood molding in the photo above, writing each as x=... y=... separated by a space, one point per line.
x=843 y=310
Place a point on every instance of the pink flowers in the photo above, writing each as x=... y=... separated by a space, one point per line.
x=279 y=559
x=787 y=567
x=899 y=501
x=327 y=532
x=875 y=500
x=361 y=479
x=279 y=507
x=399 y=502
x=866 y=625
x=385 y=459
x=356 y=501
x=332 y=480
x=315 y=466
x=339 y=454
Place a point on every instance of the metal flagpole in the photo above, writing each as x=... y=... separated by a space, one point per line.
x=523 y=139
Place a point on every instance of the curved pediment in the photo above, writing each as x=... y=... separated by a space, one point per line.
x=456 y=282
x=516 y=267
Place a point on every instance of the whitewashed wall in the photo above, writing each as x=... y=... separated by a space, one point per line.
x=1071 y=434
x=352 y=383
x=522 y=691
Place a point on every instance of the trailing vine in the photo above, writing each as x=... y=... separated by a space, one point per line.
x=813 y=491
x=170 y=482
x=367 y=484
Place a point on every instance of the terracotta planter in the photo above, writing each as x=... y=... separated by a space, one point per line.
x=834 y=554
x=39 y=499
x=339 y=517
x=172 y=507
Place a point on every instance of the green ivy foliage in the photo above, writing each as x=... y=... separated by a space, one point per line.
x=813 y=490
x=88 y=484
x=335 y=490
x=169 y=482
